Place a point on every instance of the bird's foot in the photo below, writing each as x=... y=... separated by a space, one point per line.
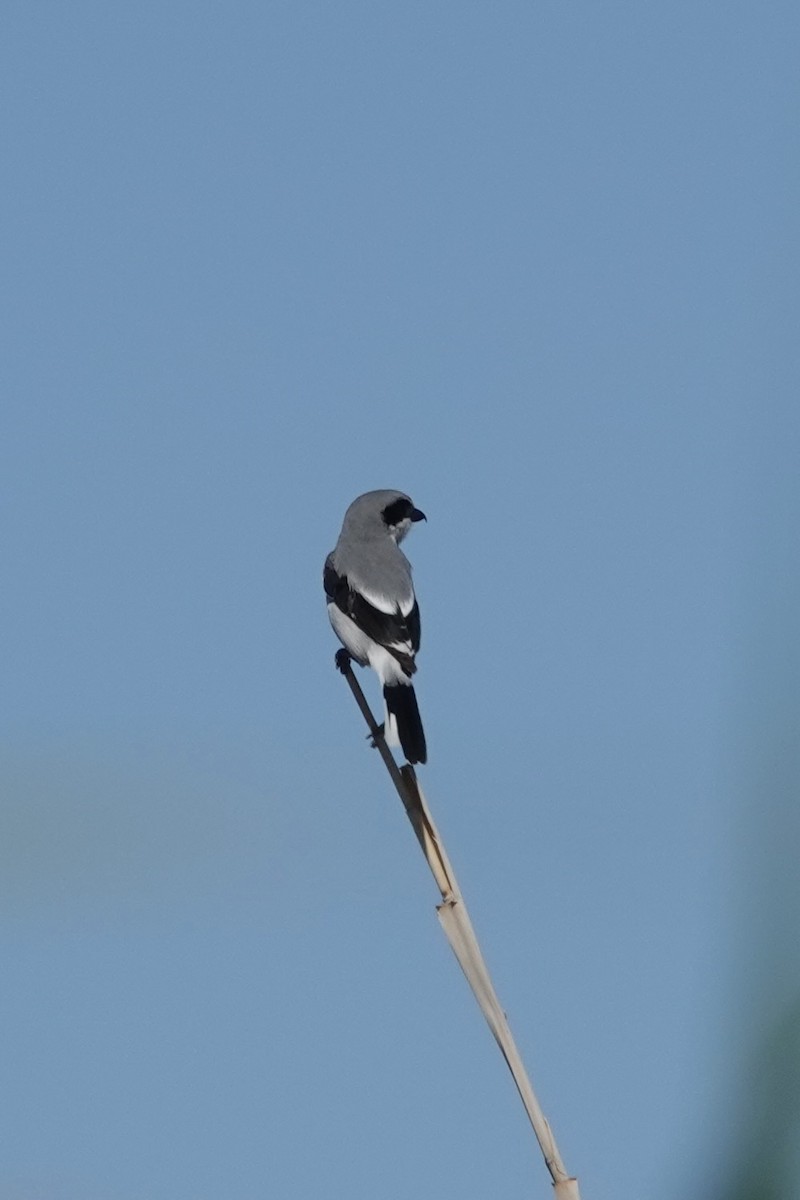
x=342 y=661
x=372 y=737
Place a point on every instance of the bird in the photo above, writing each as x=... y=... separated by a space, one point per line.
x=373 y=609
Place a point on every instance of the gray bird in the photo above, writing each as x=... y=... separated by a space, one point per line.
x=373 y=609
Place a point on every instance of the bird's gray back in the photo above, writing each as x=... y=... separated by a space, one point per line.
x=373 y=563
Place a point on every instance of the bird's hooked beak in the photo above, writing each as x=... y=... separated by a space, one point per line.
x=417 y=515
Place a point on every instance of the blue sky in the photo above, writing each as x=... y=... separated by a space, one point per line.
x=536 y=265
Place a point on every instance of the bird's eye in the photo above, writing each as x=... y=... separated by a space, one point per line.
x=397 y=511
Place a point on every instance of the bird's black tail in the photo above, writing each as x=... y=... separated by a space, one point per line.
x=401 y=703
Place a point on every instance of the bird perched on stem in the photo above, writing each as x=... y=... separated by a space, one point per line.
x=373 y=609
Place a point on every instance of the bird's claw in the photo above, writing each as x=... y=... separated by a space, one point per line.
x=372 y=738
x=342 y=660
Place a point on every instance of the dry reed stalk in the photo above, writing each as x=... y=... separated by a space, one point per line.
x=454 y=919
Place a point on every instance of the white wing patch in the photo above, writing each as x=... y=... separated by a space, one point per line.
x=406 y=604
x=385 y=605
x=382 y=603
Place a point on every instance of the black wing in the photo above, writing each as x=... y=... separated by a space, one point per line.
x=391 y=630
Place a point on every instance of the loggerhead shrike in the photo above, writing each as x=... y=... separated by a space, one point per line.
x=373 y=609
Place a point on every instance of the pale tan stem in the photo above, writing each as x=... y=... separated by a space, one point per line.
x=454 y=919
